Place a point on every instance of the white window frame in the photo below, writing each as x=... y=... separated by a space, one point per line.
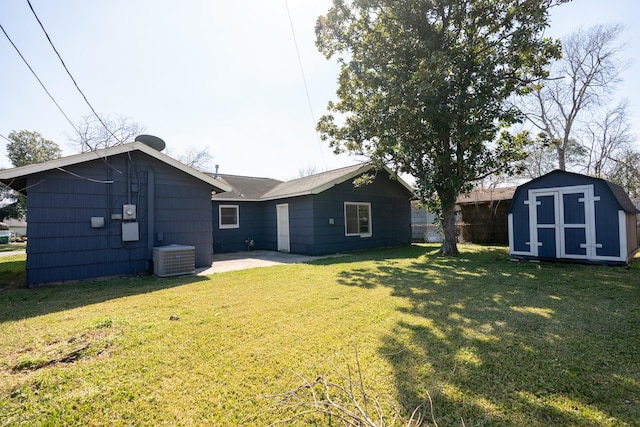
x=370 y=221
x=237 y=223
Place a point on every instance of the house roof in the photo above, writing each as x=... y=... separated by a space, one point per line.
x=313 y=184
x=246 y=187
x=16 y=178
x=486 y=195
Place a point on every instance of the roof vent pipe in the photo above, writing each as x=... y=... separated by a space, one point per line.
x=216 y=174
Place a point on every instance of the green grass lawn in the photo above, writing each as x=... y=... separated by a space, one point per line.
x=12 y=270
x=491 y=342
x=10 y=247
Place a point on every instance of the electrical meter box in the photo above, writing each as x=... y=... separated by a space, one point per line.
x=130 y=232
x=128 y=212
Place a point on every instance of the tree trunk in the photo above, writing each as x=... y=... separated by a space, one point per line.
x=450 y=243
x=562 y=163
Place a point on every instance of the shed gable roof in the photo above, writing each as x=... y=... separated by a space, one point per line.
x=618 y=192
x=14 y=178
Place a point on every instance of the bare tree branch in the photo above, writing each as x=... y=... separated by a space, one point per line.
x=581 y=81
x=93 y=134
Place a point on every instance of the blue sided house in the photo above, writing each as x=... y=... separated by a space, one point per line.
x=102 y=213
x=130 y=209
x=568 y=216
x=319 y=214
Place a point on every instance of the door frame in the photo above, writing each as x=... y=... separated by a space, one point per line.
x=283 y=235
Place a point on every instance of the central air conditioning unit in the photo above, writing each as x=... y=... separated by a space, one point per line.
x=174 y=260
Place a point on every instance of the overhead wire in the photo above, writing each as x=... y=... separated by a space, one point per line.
x=49 y=93
x=99 y=181
x=38 y=78
x=70 y=75
x=304 y=80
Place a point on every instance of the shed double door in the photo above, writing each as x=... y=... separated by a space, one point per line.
x=563 y=223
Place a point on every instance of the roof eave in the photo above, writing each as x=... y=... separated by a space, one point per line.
x=286 y=196
x=108 y=152
x=234 y=199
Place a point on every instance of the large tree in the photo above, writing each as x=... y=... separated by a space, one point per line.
x=96 y=132
x=607 y=139
x=542 y=156
x=580 y=82
x=28 y=147
x=626 y=172
x=197 y=158
x=12 y=204
x=423 y=85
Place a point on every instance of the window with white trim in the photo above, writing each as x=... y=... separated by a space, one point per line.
x=229 y=216
x=357 y=219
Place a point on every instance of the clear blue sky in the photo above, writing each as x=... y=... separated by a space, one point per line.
x=216 y=74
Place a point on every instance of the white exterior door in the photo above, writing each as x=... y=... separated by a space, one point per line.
x=282 y=214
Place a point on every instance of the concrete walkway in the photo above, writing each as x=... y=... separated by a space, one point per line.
x=253 y=259
x=240 y=260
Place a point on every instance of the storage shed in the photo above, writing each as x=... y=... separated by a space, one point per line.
x=101 y=213
x=568 y=216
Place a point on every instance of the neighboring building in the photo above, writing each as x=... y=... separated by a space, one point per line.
x=100 y=214
x=482 y=215
x=568 y=216
x=17 y=227
x=423 y=227
x=319 y=214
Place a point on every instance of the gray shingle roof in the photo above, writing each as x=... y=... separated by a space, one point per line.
x=249 y=188
x=622 y=197
x=245 y=187
x=317 y=183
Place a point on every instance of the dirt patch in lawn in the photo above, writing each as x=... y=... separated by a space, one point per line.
x=86 y=345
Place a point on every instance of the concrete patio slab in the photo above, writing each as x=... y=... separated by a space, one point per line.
x=244 y=260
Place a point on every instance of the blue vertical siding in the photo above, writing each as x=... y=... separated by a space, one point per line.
x=390 y=216
x=310 y=230
x=251 y=226
x=62 y=246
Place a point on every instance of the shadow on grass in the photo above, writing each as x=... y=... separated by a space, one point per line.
x=504 y=343
x=24 y=302
x=12 y=274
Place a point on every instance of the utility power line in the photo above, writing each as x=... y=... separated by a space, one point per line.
x=70 y=75
x=38 y=78
x=304 y=80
